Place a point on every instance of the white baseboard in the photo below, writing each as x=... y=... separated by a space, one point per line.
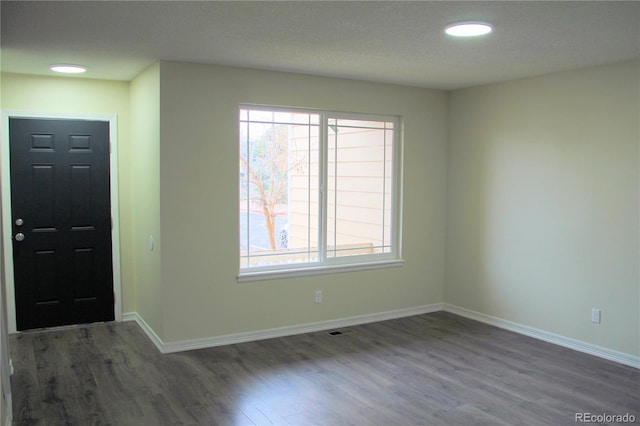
x=133 y=316
x=578 y=345
x=229 y=339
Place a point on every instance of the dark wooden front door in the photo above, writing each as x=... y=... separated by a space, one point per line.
x=61 y=221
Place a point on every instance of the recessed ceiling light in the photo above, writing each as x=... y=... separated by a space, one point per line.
x=68 y=68
x=468 y=29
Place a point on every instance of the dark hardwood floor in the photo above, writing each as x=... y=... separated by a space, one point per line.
x=433 y=369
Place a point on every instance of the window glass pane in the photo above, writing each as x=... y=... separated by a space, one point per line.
x=359 y=193
x=304 y=190
x=292 y=117
x=260 y=115
x=279 y=160
x=281 y=204
x=364 y=123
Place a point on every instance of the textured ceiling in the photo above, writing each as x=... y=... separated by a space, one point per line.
x=388 y=41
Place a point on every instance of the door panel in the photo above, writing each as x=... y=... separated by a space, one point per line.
x=60 y=191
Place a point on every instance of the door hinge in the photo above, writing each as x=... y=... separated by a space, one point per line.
x=111 y=223
x=110 y=143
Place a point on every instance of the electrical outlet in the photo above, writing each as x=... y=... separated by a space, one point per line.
x=318 y=296
x=595 y=316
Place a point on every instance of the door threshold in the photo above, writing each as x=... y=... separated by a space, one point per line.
x=62 y=327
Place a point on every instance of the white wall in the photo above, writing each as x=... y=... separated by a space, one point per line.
x=543 y=192
x=199 y=203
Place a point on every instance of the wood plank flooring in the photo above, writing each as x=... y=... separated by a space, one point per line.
x=432 y=369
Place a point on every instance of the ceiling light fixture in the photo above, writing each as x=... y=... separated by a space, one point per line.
x=68 y=68
x=468 y=29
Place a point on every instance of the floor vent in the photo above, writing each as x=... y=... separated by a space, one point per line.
x=341 y=332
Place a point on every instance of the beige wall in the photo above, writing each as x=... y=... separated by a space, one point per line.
x=543 y=203
x=145 y=191
x=25 y=93
x=199 y=203
x=540 y=208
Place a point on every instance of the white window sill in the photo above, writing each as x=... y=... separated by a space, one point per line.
x=249 y=276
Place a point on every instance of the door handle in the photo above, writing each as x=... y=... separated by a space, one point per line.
x=19 y=236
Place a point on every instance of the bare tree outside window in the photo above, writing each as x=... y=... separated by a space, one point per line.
x=265 y=165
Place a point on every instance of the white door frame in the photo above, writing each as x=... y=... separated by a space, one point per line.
x=7 y=229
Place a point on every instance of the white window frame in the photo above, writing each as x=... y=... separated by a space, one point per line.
x=326 y=265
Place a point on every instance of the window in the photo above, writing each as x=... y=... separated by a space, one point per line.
x=317 y=190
